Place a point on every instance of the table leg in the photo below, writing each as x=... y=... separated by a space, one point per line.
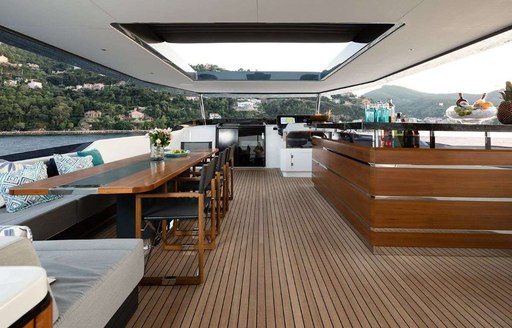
x=125 y=216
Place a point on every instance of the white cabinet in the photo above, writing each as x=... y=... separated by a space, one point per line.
x=296 y=162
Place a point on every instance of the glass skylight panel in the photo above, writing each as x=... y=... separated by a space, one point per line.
x=255 y=51
x=276 y=57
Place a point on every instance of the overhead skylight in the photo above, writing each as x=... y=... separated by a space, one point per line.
x=274 y=57
x=255 y=51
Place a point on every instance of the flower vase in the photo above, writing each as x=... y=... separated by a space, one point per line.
x=156 y=152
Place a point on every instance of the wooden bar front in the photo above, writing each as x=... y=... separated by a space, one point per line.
x=418 y=197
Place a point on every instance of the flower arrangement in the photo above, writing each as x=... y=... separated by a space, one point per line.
x=160 y=137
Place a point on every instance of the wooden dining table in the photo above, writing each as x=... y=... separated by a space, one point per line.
x=124 y=178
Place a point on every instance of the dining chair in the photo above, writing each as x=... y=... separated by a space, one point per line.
x=231 y=170
x=196 y=145
x=187 y=206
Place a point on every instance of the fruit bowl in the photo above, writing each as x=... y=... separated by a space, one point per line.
x=177 y=153
x=471 y=115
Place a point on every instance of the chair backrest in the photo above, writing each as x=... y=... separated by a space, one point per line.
x=221 y=159
x=232 y=152
x=207 y=175
x=228 y=155
x=196 y=145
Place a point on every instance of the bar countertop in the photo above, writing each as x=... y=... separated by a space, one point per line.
x=416 y=126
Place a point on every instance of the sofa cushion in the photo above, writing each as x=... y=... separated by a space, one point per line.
x=45 y=220
x=94 y=277
x=15 y=178
x=17 y=251
x=6 y=167
x=97 y=159
x=67 y=164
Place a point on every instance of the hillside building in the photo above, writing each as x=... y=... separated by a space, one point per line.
x=136 y=115
x=3 y=59
x=92 y=114
x=35 y=85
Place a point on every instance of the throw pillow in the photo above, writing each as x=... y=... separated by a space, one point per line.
x=67 y=164
x=15 y=178
x=6 y=166
x=97 y=159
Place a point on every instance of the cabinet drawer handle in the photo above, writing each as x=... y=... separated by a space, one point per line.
x=291 y=156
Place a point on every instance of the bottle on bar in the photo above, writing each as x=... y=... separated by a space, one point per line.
x=369 y=113
x=392 y=115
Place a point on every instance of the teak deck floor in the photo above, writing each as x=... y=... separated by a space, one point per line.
x=286 y=258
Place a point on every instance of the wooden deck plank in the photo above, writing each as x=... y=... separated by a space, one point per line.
x=285 y=258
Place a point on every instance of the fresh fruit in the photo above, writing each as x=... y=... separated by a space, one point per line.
x=480 y=102
x=487 y=105
x=464 y=111
x=505 y=107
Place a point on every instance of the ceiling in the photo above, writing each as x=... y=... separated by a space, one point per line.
x=430 y=28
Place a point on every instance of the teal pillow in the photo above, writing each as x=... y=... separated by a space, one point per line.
x=96 y=156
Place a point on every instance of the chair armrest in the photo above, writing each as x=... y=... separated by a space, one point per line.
x=186 y=179
x=170 y=195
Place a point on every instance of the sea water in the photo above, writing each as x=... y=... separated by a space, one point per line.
x=20 y=144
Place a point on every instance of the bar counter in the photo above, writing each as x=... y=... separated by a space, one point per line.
x=418 y=197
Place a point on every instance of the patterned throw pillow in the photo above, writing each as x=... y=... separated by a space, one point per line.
x=67 y=164
x=5 y=167
x=15 y=178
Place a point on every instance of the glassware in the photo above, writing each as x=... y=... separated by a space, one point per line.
x=369 y=114
x=156 y=152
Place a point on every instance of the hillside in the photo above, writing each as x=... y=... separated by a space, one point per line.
x=37 y=93
x=420 y=104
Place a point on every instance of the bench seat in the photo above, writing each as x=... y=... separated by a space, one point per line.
x=48 y=219
x=94 y=277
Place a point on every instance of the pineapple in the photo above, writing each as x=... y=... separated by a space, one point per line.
x=505 y=108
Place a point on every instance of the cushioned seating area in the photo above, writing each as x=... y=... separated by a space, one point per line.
x=96 y=280
x=48 y=219
x=94 y=277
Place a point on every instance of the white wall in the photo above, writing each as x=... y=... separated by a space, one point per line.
x=273 y=144
x=118 y=148
x=201 y=133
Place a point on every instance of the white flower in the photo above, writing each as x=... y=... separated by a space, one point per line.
x=158 y=141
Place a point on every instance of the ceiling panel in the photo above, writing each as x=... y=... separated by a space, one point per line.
x=52 y=13
x=192 y=11
x=334 y=11
x=83 y=28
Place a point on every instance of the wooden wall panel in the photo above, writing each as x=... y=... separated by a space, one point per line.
x=347 y=184
x=322 y=184
x=358 y=152
x=356 y=172
x=483 y=240
x=442 y=215
x=442 y=156
x=442 y=182
x=356 y=200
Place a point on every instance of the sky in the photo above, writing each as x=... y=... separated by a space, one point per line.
x=482 y=72
x=259 y=56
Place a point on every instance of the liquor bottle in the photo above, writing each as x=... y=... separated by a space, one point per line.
x=462 y=102
x=392 y=115
x=416 y=137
